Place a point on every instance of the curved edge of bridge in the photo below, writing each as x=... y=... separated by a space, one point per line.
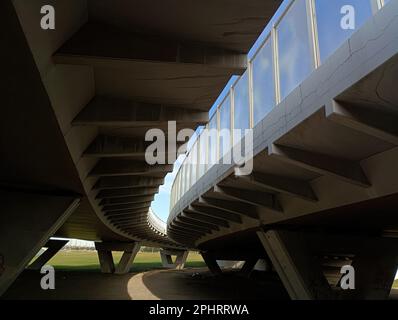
x=323 y=180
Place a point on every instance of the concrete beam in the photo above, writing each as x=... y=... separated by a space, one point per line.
x=374 y=123
x=122 y=193
x=205 y=218
x=104 y=112
x=126 y=200
x=111 y=146
x=119 y=182
x=192 y=227
x=185 y=234
x=193 y=233
x=218 y=208
x=111 y=210
x=292 y=187
x=53 y=247
x=234 y=207
x=132 y=219
x=298 y=269
x=109 y=167
x=104 y=42
x=255 y=198
x=342 y=169
x=193 y=222
x=32 y=218
x=120 y=214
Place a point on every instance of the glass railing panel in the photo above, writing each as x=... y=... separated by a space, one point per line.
x=225 y=126
x=263 y=82
x=241 y=105
x=337 y=20
x=212 y=140
x=194 y=162
x=295 y=50
x=202 y=155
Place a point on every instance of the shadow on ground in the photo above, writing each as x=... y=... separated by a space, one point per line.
x=191 y=283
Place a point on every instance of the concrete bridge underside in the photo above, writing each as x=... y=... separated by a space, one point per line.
x=323 y=192
x=78 y=100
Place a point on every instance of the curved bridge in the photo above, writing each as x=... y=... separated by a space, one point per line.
x=324 y=181
x=79 y=100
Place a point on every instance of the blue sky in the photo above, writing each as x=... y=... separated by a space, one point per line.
x=329 y=15
x=161 y=204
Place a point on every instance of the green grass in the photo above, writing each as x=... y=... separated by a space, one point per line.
x=74 y=260
x=395 y=284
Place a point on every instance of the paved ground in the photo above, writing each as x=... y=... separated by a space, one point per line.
x=191 y=283
x=158 y=284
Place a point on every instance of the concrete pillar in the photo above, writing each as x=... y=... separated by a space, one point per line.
x=248 y=267
x=181 y=259
x=53 y=246
x=127 y=259
x=27 y=221
x=294 y=257
x=167 y=261
x=298 y=269
x=211 y=263
x=106 y=261
x=104 y=249
x=375 y=271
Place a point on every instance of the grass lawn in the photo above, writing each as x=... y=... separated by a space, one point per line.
x=81 y=260
x=395 y=285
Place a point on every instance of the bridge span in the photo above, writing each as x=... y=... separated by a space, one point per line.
x=323 y=190
x=78 y=100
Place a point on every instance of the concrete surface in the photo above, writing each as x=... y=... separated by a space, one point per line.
x=185 y=284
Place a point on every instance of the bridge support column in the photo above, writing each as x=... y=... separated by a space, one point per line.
x=375 y=272
x=53 y=247
x=248 y=267
x=27 y=221
x=167 y=261
x=298 y=270
x=297 y=258
x=211 y=263
x=105 y=257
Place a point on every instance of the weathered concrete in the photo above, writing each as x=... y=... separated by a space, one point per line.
x=167 y=261
x=211 y=263
x=107 y=264
x=323 y=158
x=53 y=247
x=33 y=218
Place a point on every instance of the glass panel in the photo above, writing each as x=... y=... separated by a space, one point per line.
x=330 y=32
x=263 y=82
x=194 y=157
x=213 y=140
x=183 y=179
x=225 y=127
x=185 y=176
x=241 y=105
x=178 y=185
x=188 y=171
x=294 y=48
x=202 y=155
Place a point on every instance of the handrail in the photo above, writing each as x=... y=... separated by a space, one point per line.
x=305 y=22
